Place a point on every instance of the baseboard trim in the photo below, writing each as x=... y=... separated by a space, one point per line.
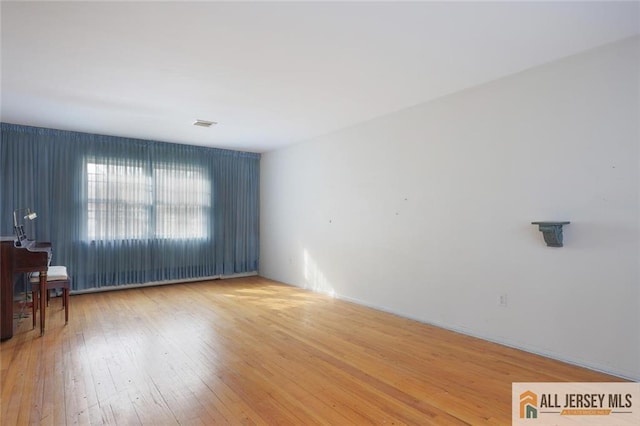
x=166 y=282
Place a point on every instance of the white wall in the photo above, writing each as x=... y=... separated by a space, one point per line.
x=426 y=212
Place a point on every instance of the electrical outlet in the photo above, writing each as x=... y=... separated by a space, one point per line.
x=503 y=300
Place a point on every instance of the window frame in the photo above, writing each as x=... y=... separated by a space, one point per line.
x=150 y=185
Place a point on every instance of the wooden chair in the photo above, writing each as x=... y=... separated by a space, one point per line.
x=57 y=277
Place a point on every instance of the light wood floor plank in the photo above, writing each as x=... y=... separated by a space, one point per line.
x=255 y=352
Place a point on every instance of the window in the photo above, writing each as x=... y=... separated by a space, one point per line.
x=183 y=201
x=133 y=202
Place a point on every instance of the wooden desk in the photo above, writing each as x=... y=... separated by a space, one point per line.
x=31 y=257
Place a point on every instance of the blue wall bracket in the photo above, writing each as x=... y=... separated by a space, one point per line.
x=552 y=232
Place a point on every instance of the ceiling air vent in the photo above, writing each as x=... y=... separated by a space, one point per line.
x=204 y=123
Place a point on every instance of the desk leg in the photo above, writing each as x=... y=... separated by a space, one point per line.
x=43 y=299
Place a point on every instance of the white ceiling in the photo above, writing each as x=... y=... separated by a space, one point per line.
x=271 y=74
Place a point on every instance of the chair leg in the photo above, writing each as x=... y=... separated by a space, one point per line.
x=35 y=298
x=65 y=302
x=34 y=306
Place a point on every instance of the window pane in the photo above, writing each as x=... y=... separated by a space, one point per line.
x=183 y=200
x=119 y=202
x=123 y=199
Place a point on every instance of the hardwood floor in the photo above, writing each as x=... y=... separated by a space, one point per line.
x=253 y=351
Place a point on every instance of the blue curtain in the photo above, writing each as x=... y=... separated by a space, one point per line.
x=127 y=211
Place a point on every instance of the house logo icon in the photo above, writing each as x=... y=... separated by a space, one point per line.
x=528 y=405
